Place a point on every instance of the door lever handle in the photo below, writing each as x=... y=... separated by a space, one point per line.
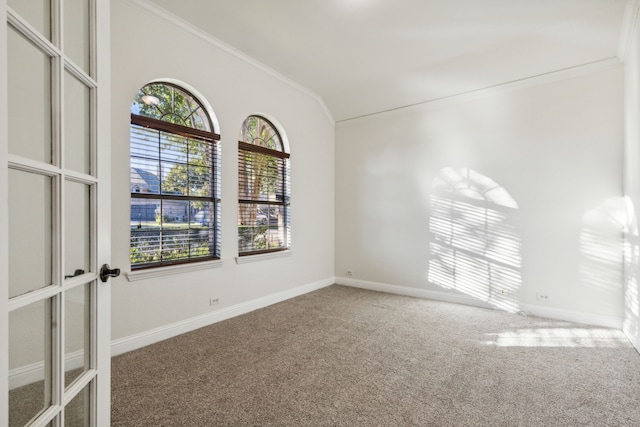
x=106 y=272
x=78 y=272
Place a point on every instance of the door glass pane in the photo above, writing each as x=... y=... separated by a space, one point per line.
x=76 y=413
x=36 y=12
x=77 y=124
x=76 y=32
x=76 y=346
x=30 y=257
x=29 y=362
x=29 y=99
x=77 y=229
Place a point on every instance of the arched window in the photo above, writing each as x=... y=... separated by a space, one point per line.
x=263 y=188
x=175 y=183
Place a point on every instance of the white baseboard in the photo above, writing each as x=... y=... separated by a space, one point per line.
x=26 y=375
x=35 y=372
x=29 y=374
x=143 y=339
x=454 y=297
x=635 y=341
x=634 y=337
x=573 y=316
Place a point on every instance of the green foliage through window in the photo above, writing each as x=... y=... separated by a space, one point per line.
x=174 y=178
x=263 y=187
x=169 y=103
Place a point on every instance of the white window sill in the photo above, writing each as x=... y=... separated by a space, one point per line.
x=261 y=257
x=172 y=269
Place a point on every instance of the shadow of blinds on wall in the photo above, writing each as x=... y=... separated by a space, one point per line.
x=631 y=261
x=475 y=247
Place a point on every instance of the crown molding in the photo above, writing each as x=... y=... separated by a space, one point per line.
x=524 y=82
x=629 y=24
x=160 y=12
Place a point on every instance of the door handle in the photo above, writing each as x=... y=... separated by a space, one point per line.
x=106 y=272
x=78 y=272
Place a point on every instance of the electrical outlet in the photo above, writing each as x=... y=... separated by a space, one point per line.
x=349 y=273
x=542 y=297
x=214 y=301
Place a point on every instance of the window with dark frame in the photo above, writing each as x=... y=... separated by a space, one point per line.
x=175 y=183
x=263 y=188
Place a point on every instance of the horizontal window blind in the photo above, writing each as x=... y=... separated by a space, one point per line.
x=263 y=201
x=174 y=193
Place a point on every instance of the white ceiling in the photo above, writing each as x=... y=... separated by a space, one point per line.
x=367 y=56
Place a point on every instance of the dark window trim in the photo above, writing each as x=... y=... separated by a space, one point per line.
x=187 y=132
x=284 y=200
x=263 y=251
x=178 y=262
x=263 y=202
x=173 y=197
x=163 y=126
x=262 y=150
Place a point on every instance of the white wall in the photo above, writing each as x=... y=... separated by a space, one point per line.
x=632 y=187
x=554 y=144
x=145 y=46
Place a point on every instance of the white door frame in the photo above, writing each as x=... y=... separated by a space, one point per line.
x=4 y=225
x=103 y=164
x=100 y=346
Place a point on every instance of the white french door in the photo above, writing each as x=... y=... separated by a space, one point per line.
x=55 y=340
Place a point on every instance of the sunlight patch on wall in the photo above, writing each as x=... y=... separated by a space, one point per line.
x=559 y=337
x=475 y=248
x=631 y=264
x=601 y=246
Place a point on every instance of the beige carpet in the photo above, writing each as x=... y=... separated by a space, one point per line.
x=28 y=401
x=348 y=357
